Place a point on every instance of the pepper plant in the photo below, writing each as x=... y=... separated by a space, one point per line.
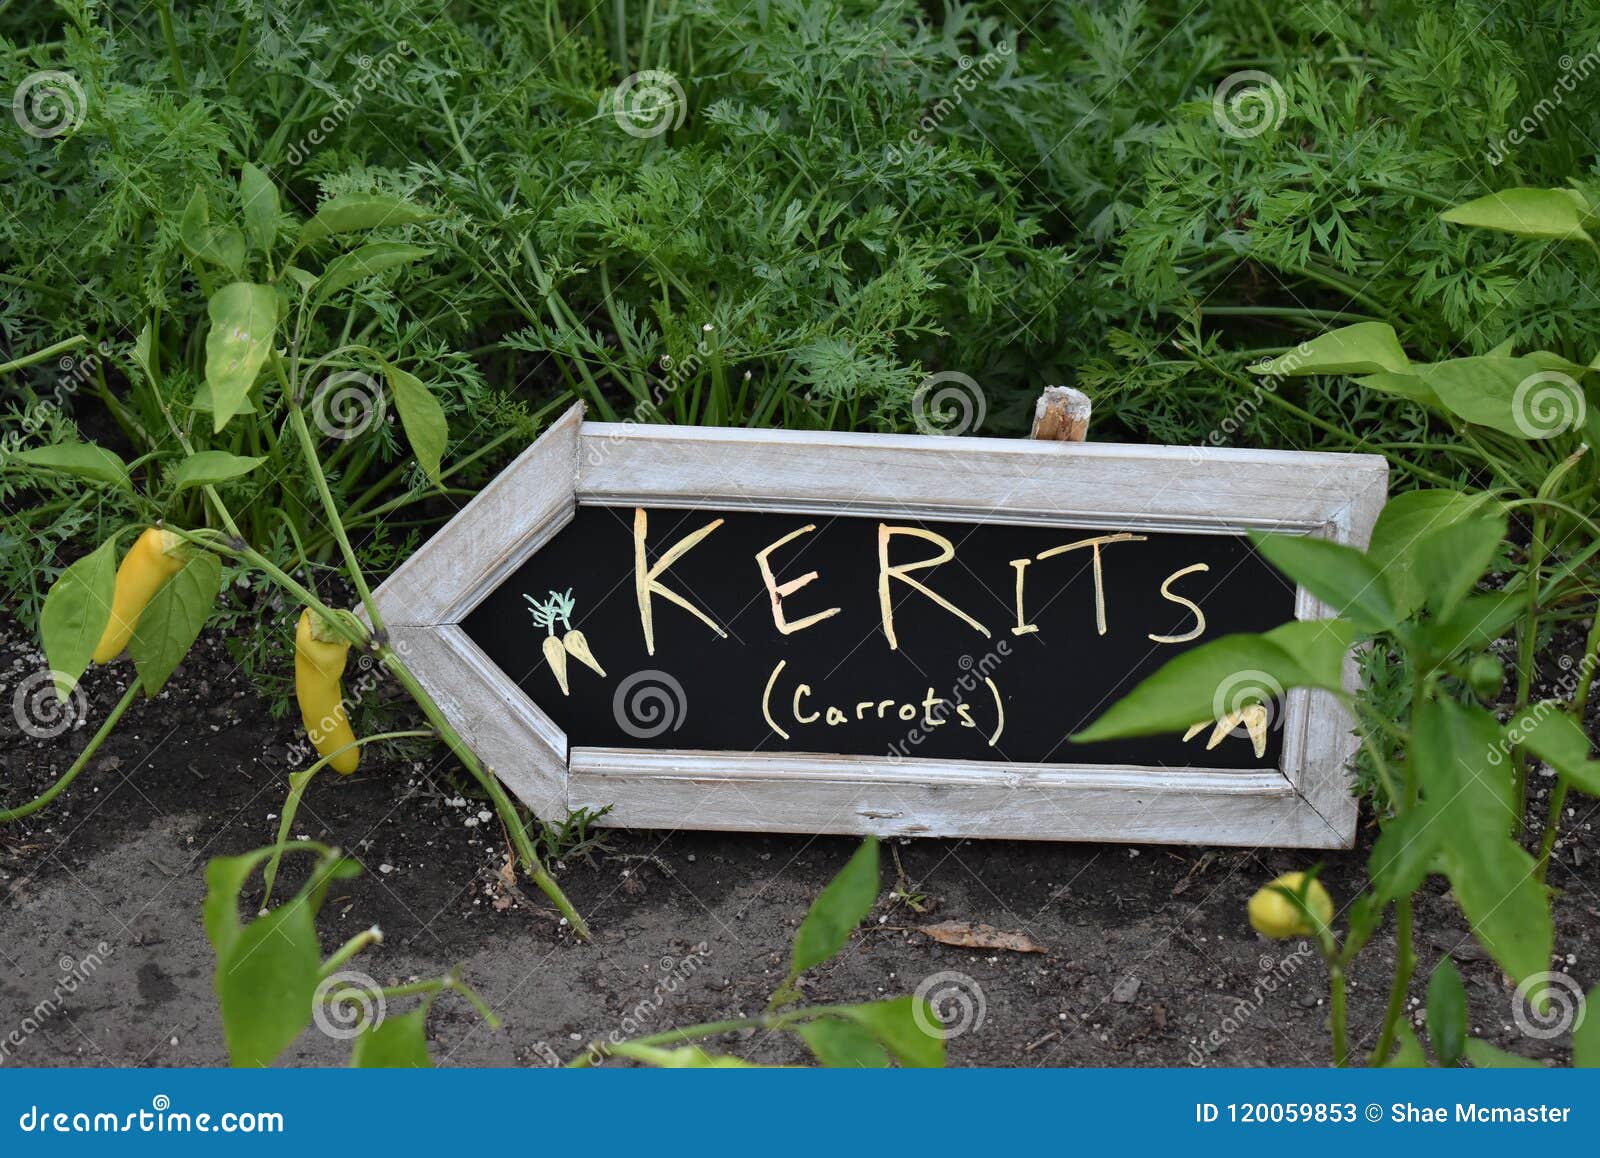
x=272 y=981
x=1442 y=582
x=267 y=278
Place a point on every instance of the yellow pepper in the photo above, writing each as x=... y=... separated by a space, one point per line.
x=150 y=562
x=1274 y=915
x=318 y=665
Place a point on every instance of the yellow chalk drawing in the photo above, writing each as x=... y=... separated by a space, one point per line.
x=547 y=613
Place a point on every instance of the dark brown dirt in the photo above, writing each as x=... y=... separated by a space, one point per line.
x=1149 y=961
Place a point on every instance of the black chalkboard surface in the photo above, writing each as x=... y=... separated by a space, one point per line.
x=1099 y=611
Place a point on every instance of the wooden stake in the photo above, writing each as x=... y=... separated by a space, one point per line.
x=1062 y=415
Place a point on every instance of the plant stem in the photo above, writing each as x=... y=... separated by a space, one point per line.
x=1338 y=1014
x=41 y=355
x=490 y=784
x=79 y=764
x=164 y=12
x=297 y=419
x=337 y=959
x=1526 y=639
x=1578 y=709
x=1405 y=963
x=298 y=783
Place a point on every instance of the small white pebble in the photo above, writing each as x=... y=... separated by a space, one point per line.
x=386 y=868
x=486 y=816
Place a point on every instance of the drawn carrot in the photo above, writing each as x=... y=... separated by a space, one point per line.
x=578 y=647
x=556 y=656
x=547 y=613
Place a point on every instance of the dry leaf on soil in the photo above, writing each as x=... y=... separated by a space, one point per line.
x=966 y=935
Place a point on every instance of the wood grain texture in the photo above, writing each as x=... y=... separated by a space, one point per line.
x=857 y=796
x=1306 y=803
x=1214 y=490
x=1061 y=415
x=509 y=732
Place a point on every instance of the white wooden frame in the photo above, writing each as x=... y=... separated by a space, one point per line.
x=1305 y=803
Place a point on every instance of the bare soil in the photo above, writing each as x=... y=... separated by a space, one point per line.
x=1148 y=961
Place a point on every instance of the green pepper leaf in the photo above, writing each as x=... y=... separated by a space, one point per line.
x=225 y=878
x=1462 y=760
x=1340 y=576
x=210 y=467
x=396 y=1042
x=1403 y=386
x=1409 y=1054
x=1553 y=736
x=908 y=1027
x=1364 y=348
x=1447 y=1013
x=76 y=611
x=217 y=244
x=1219 y=676
x=422 y=417
x=1552 y=213
x=838 y=909
x=349 y=268
x=266 y=983
x=82 y=460
x=1586 y=1033
x=171 y=621
x=354 y=212
x=1405 y=853
x=1450 y=560
x=1513 y=395
x=841 y=1044
x=1491 y=1057
x=261 y=208
x=1477 y=621
x=244 y=318
x=1402 y=525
